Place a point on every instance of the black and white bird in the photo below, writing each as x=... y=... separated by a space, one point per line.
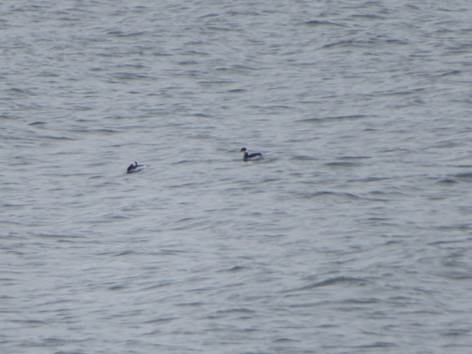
x=134 y=167
x=251 y=156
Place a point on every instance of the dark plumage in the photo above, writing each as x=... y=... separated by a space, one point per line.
x=251 y=156
x=134 y=167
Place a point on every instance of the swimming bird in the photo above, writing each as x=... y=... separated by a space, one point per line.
x=134 y=167
x=251 y=156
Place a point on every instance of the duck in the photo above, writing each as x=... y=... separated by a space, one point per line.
x=134 y=167
x=251 y=156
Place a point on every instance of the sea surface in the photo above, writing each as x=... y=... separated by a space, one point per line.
x=352 y=235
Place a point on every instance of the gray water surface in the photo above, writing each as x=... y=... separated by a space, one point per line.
x=353 y=235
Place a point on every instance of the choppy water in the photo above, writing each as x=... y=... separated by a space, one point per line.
x=353 y=235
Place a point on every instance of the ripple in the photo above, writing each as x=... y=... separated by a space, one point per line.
x=234 y=269
x=330 y=194
x=341 y=164
x=318 y=23
x=121 y=34
x=333 y=118
x=130 y=76
x=304 y=158
x=334 y=281
x=464 y=176
x=37 y=123
x=447 y=181
x=377 y=345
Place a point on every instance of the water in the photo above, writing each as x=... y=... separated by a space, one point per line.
x=353 y=235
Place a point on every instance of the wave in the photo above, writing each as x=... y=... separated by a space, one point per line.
x=352 y=44
x=333 y=118
x=130 y=76
x=317 y=23
x=303 y=158
x=447 y=181
x=335 y=281
x=377 y=345
x=464 y=175
x=344 y=195
x=233 y=269
x=37 y=123
x=121 y=34
x=342 y=164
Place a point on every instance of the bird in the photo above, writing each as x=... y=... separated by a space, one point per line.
x=134 y=167
x=251 y=156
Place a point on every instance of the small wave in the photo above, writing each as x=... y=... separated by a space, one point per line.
x=18 y=91
x=459 y=227
x=201 y=115
x=32 y=323
x=464 y=176
x=191 y=304
x=303 y=158
x=285 y=340
x=122 y=34
x=401 y=92
x=368 y=17
x=131 y=66
x=236 y=68
x=363 y=301
x=125 y=253
x=377 y=345
x=372 y=42
x=210 y=83
x=342 y=164
x=56 y=137
x=48 y=74
x=449 y=73
x=220 y=28
x=237 y=91
x=456 y=275
x=100 y=131
x=37 y=123
x=238 y=310
x=457 y=332
x=330 y=194
x=380 y=220
x=187 y=62
x=354 y=157
x=339 y=44
x=449 y=242
x=161 y=320
x=447 y=181
x=317 y=23
x=333 y=118
x=117 y=287
x=233 y=269
x=55 y=236
x=210 y=15
x=129 y=76
x=270 y=179
x=341 y=280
